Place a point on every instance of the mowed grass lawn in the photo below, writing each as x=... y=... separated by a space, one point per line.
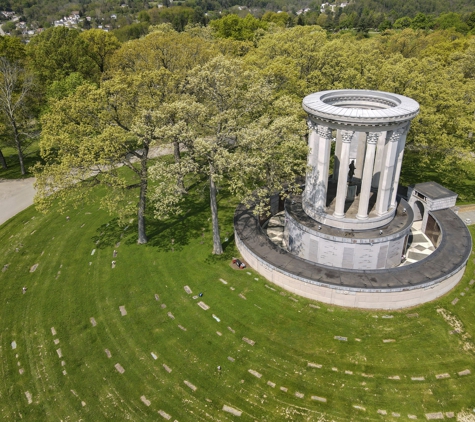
x=71 y=285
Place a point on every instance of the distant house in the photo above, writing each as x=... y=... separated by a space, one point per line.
x=302 y=11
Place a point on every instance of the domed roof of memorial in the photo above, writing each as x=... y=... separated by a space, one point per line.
x=360 y=106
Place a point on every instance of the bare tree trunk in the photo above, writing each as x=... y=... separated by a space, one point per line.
x=217 y=247
x=143 y=196
x=19 y=150
x=3 y=162
x=179 y=181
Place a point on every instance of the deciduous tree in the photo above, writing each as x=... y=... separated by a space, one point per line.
x=16 y=85
x=104 y=136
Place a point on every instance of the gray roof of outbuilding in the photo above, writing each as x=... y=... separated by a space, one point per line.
x=433 y=190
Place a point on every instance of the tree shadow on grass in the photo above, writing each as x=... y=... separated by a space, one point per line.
x=109 y=234
x=175 y=233
x=229 y=252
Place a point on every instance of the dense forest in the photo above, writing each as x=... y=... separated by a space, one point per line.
x=363 y=15
x=228 y=94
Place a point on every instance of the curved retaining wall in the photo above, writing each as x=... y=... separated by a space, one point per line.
x=393 y=288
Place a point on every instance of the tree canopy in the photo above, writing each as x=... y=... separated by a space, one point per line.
x=226 y=99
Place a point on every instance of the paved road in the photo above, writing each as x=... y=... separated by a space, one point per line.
x=15 y=196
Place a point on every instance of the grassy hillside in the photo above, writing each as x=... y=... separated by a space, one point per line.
x=295 y=354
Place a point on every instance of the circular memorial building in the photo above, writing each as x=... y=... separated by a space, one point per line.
x=354 y=237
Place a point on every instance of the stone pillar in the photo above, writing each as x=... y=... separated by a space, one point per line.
x=311 y=161
x=323 y=163
x=342 y=186
x=360 y=155
x=336 y=163
x=378 y=160
x=365 y=193
x=397 y=173
x=387 y=172
x=315 y=194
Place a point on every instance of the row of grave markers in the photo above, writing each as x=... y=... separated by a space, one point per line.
x=236 y=412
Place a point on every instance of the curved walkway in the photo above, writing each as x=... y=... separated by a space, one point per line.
x=15 y=196
x=450 y=256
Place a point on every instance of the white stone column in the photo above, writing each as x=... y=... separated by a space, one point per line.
x=315 y=194
x=336 y=163
x=323 y=164
x=346 y=136
x=378 y=160
x=311 y=161
x=397 y=172
x=360 y=155
x=365 y=193
x=387 y=171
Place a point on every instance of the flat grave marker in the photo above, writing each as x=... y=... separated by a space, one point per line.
x=203 y=305
x=442 y=376
x=231 y=410
x=437 y=415
x=145 y=401
x=255 y=373
x=164 y=415
x=119 y=368
x=190 y=385
x=29 y=398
